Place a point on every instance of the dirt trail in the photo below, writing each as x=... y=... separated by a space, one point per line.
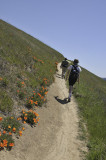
x=55 y=138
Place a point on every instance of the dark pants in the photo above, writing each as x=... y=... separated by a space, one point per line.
x=71 y=83
x=72 y=80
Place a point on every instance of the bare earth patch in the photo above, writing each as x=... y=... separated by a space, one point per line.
x=56 y=137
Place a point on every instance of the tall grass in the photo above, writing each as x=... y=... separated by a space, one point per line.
x=23 y=58
x=92 y=104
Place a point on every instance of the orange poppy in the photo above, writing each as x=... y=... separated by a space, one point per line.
x=11 y=144
x=20 y=133
x=10 y=133
x=4 y=132
x=1 y=118
x=1 y=78
x=24 y=122
x=14 y=129
x=25 y=118
x=23 y=128
x=9 y=127
x=1 y=145
x=22 y=83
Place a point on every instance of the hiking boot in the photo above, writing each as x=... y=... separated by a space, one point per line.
x=69 y=99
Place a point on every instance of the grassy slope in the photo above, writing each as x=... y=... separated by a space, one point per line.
x=91 y=96
x=17 y=52
x=23 y=57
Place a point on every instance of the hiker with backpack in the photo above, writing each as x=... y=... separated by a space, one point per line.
x=73 y=73
x=64 y=66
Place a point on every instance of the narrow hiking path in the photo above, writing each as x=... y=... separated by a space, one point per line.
x=56 y=137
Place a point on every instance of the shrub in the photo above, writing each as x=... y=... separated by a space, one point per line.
x=30 y=117
x=38 y=97
x=6 y=141
x=10 y=124
x=20 y=84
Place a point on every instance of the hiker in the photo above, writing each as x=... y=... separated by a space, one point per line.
x=64 y=66
x=74 y=71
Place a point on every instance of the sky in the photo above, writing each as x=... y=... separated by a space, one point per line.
x=75 y=28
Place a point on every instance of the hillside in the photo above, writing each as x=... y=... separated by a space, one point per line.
x=22 y=59
x=56 y=137
x=91 y=97
x=27 y=69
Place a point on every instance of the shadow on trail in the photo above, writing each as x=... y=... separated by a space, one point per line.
x=64 y=101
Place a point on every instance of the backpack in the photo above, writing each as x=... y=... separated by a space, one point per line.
x=74 y=74
x=64 y=64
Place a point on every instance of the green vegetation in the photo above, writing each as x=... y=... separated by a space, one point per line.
x=10 y=124
x=27 y=68
x=6 y=102
x=91 y=97
x=24 y=62
x=30 y=117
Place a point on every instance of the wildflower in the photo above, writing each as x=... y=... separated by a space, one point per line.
x=56 y=63
x=1 y=118
x=12 y=117
x=37 y=120
x=9 y=127
x=25 y=118
x=34 y=120
x=4 y=132
x=43 y=88
x=23 y=128
x=31 y=101
x=1 y=78
x=10 y=133
x=1 y=145
x=22 y=83
x=24 y=122
x=5 y=142
x=17 y=91
x=11 y=144
x=0 y=133
x=20 y=133
x=36 y=103
x=36 y=114
x=42 y=97
x=14 y=129
x=39 y=94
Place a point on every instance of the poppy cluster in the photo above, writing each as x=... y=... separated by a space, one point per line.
x=37 y=98
x=1 y=78
x=5 y=138
x=37 y=60
x=30 y=117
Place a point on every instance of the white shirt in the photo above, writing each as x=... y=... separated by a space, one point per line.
x=70 y=68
